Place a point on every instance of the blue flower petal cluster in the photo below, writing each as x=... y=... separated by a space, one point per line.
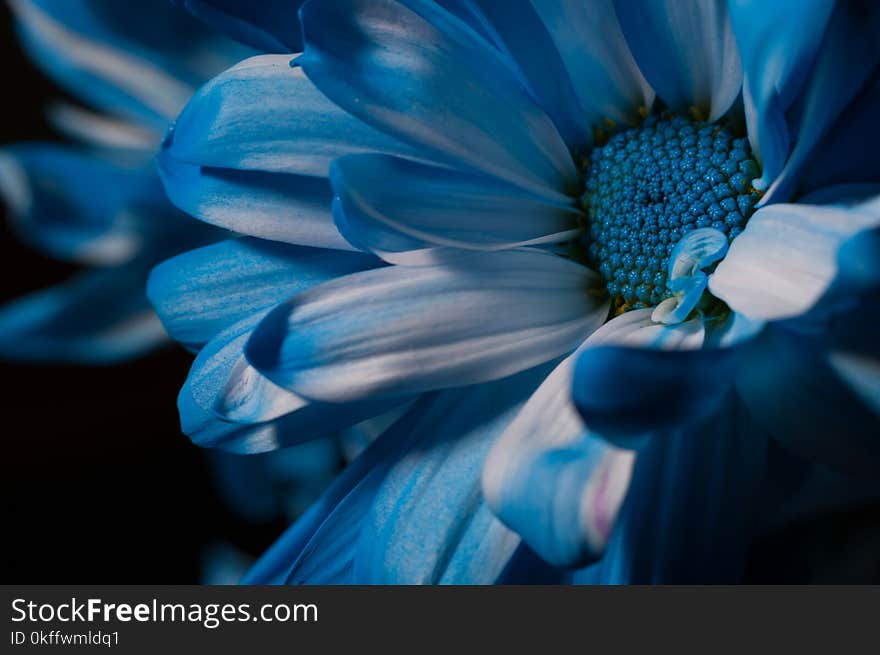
x=96 y=200
x=418 y=195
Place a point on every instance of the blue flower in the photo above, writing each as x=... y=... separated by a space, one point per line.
x=98 y=201
x=608 y=254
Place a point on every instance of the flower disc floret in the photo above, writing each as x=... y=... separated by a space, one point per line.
x=648 y=186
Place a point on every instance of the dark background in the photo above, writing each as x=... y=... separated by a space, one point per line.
x=99 y=486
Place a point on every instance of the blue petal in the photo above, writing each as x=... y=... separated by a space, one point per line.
x=142 y=61
x=100 y=317
x=518 y=31
x=264 y=115
x=841 y=195
x=849 y=153
x=621 y=391
x=787 y=257
x=222 y=564
x=268 y=25
x=601 y=67
x=335 y=541
x=103 y=132
x=654 y=378
x=421 y=74
x=812 y=388
x=275 y=206
x=411 y=329
x=691 y=507
x=778 y=42
x=399 y=209
x=844 y=69
x=226 y=404
x=686 y=51
x=551 y=481
x=858 y=264
x=77 y=206
x=320 y=546
x=244 y=485
x=199 y=293
x=428 y=523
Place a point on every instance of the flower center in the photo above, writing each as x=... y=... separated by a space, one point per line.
x=647 y=187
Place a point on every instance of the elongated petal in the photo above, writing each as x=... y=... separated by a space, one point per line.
x=398 y=208
x=849 y=153
x=692 y=506
x=600 y=65
x=320 y=546
x=686 y=50
x=428 y=523
x=516 y=28
x=228 y=406
x=103 y=131
x=222 y=388
x=100 y=317
x=552 y=481
x=778 y=43
x=144 y=64
x=74 y=205
x=199 y=293
x=275 y=206
x=419 y=73
x=843 y=71
x=640 y=377
x=268 y=25
x=410 y=329
x=264 y=115
x=358 y=531
x=787 y=257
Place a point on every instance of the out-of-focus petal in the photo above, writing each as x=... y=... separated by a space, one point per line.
x=268 y=25
x=77 y=206
x=692 y=506
x=100 y=317
x=636 y=377
x=812 y=388
x=143 y=66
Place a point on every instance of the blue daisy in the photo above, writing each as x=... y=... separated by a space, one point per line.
x=604 y=258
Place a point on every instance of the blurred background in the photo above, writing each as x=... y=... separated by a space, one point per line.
x=99 y=486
